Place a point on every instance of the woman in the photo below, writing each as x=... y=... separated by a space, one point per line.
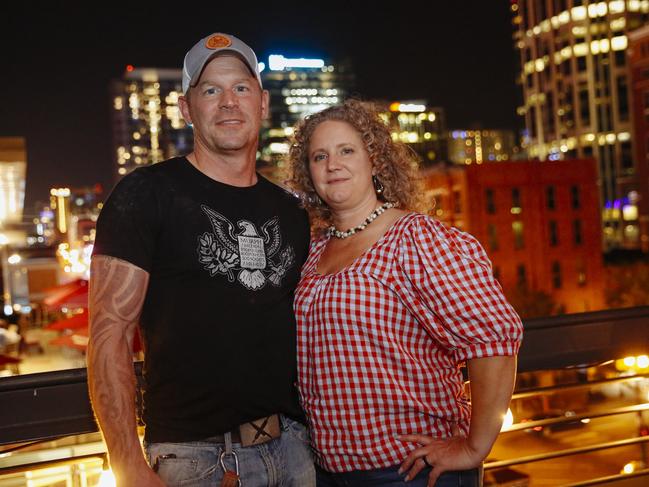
x=390 y=303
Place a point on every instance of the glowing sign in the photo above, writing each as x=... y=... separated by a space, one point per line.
x=407 y=107
x=277 y=62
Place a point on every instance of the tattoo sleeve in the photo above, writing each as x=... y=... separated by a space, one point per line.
x=117 y=291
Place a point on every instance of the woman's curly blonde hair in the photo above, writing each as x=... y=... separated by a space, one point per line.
x=395 y=164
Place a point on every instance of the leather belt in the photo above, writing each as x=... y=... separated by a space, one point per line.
x=252 y=433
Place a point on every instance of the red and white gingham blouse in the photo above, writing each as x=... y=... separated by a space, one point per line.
x=379 y=342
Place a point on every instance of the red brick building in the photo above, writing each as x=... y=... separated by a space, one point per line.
x=539 y=222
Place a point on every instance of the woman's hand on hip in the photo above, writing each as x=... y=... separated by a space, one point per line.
x=441 y=454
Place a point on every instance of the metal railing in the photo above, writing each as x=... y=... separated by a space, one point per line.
x=606 y=445
x=42 y=407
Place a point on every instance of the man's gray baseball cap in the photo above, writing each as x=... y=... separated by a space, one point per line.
x=208 y=47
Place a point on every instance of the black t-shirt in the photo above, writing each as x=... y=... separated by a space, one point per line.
x=217 y=321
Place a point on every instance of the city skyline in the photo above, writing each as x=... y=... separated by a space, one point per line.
x=61 y=60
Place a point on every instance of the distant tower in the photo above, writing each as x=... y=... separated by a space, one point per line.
x=60 y=205
x=639 y=69
x=297 y=87
x=480 y=146
x=421 y=127
x=147 y=124
x=13 y=166
x=577 y=96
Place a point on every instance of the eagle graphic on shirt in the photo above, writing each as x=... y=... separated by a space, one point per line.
x=250 y=255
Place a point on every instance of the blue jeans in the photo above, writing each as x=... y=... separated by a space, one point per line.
x=389 y=477
x=285 y=461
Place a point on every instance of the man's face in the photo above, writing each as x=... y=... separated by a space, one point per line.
x=226 y=106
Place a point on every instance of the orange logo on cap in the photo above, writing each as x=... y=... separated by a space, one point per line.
x=218 y=41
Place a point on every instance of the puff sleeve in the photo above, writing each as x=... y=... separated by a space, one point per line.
x=446 y=282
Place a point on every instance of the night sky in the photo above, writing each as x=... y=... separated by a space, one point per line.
x=56 y=60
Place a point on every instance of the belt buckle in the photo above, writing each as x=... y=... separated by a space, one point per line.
x=260 y=430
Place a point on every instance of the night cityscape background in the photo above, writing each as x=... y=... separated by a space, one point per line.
x=531 y=121
x=59 y=58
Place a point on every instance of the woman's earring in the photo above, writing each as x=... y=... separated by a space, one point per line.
x=378 y=185
x=315 y=199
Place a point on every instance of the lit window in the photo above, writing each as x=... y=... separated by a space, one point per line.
x=581 y=272
x=516 y=201
x=630 y=212
x=618 y=24
x=517 y=229
x=631 y=233
x=578 y=13
x=619 y=43
x=555 y=22
x=616 y=6
x=580 y=49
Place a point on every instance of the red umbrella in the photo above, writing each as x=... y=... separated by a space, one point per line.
x=77 y=321
x=78 y=300
x=71 y=293
x=10 y=363
x=8 y=359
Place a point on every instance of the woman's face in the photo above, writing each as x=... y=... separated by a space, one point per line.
x=340 y=166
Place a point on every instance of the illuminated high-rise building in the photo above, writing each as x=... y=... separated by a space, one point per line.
x=639 y=69
x=479 y=146
x=44 y=232
x=60 y=205
x=298 y=87
x=85 y=206
x=576 y=95
x=13 y=166
x=147 y=124
x=73 y=213
x=421 y=127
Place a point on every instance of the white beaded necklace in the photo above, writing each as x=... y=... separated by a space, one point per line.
x=333 y=231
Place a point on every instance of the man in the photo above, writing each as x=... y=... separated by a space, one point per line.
x=204 y=254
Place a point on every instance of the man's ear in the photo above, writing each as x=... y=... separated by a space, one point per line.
x=265 y=100
x=183 y=104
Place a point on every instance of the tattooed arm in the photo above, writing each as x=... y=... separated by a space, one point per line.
x=117 y=291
